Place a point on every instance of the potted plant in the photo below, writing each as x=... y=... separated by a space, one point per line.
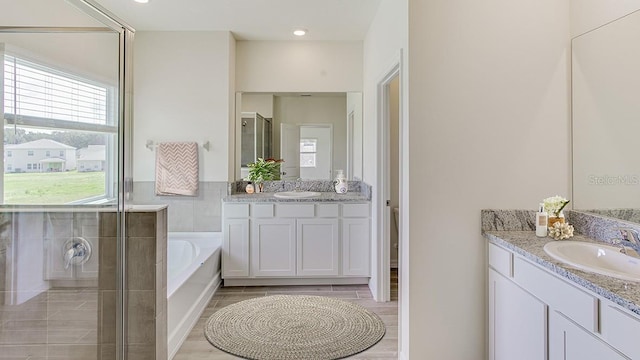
x=264 y=170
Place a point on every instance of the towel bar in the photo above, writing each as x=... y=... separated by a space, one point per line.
x=151 y=145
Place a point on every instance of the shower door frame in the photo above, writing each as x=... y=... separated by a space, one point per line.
x=125 y=126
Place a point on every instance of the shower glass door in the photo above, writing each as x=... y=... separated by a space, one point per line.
x=62 y=194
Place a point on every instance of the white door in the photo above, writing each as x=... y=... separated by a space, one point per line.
x=290 y=151
x=315 y=152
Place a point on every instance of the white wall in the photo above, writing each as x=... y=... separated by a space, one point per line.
x=489 y=128
x=299 y=66
x=589 y=14
x=260 y=103
x=386 y=39
x=183 y=92
x=98 y=59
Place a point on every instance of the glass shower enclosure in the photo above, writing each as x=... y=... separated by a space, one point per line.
x=62 y=221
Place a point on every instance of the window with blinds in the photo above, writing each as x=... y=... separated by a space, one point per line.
x=33 y=93
x=61 y=125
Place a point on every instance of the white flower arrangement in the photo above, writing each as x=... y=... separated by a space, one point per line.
x=561 y=231
x=554 y=205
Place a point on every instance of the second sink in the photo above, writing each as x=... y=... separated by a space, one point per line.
x=296 y=194
x=597 y=258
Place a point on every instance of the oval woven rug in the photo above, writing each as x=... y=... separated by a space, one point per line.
x=296 y=327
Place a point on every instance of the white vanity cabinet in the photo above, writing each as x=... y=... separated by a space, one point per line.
x=235 y=242
x=567 y=340
x=296 y=243
x=273 y=247
x=534 y=312
x=517 y=319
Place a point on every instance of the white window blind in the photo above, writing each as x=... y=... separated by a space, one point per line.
x=33 y=93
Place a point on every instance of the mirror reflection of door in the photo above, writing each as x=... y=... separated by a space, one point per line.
x=290 y=151
x=315 y=152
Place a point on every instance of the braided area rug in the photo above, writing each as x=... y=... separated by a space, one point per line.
x=294 y=327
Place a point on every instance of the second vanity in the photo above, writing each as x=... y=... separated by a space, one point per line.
x=308 y=241
x=540 y=308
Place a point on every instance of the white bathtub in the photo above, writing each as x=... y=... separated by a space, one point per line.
x=193 y=276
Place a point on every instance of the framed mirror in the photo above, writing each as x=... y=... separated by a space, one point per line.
x=314 y=134
x=606 y=119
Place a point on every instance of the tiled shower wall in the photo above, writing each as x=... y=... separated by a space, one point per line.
x=187 y=213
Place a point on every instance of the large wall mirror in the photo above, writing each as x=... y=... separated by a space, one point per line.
x=315 y=134
x=606 y=119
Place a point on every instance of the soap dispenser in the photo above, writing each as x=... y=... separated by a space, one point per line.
x=340 y=183
x=542 y=219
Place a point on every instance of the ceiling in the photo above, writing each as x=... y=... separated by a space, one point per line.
x=334 y=20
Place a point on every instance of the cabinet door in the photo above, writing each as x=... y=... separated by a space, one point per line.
x=568 y=341
x=235 y=248
x=517 y=322
x=317 y=244
x=273 y=247
x=356 y=252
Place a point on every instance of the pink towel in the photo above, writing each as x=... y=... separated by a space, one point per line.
x=177 y=168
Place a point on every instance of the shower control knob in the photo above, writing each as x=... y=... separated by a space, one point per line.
x=76 y=251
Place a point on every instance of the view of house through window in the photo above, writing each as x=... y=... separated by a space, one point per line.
x=58 y=132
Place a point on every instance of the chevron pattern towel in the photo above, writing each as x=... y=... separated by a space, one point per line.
x=177 y=168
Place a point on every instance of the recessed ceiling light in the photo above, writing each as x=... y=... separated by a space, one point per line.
x=141 y=1
x=299 y=32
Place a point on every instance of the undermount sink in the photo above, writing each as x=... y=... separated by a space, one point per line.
x=296 y=194
x=596 y=258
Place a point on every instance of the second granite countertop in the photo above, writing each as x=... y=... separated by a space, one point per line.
x=526 y=244
x=323 y=197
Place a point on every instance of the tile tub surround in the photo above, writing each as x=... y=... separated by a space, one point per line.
x=187 y=213
x=146 y=254
x=306 y=185
x=528 y=245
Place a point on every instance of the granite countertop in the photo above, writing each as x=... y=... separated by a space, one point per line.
x=324 y=197
x=528 y=245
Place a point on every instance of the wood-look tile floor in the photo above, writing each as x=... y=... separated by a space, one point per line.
x=196 y=347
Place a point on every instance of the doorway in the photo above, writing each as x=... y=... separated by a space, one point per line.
x=310 y=147
x=390 y=179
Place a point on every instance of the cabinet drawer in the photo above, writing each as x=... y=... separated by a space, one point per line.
x=620 y=329
x=262 y=210
x=355 y=210
x=501 y=260
x=236 y=210
x=327 y=210
x=576 y=304
x=295 y=210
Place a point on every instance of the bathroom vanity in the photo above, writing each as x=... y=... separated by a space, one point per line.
x=540 y=308
x=272 y=241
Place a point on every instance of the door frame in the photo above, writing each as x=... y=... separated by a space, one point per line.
x=383 y=227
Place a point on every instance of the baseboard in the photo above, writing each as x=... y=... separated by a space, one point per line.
x=295 y=281
x=188 y=322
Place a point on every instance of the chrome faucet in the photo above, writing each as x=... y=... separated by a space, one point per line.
x=628 y=238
